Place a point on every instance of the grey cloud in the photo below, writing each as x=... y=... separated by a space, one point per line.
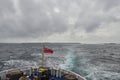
x=91 y=18
x=34 y=22
x=47 y=17
x=6 y=7
x=38 y=20
x=108 y=4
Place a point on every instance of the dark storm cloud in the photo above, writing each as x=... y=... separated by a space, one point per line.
x=39 y=18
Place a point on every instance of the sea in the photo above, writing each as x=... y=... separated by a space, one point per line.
x=92 y=61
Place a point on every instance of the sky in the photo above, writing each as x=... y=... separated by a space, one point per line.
x=74 y=21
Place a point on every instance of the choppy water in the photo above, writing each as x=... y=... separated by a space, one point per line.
x=93 y=61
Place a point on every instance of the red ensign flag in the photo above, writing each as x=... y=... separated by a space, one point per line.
x=49 y=51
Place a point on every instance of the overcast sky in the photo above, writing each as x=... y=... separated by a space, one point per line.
x=84 y=21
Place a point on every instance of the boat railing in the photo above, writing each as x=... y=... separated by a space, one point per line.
x=4 y=72
x=28 y=69
x=79 y=77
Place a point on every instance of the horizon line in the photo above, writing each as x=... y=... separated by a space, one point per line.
x=56 y=42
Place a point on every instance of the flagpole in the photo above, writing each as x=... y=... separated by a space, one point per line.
x=43 y=57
